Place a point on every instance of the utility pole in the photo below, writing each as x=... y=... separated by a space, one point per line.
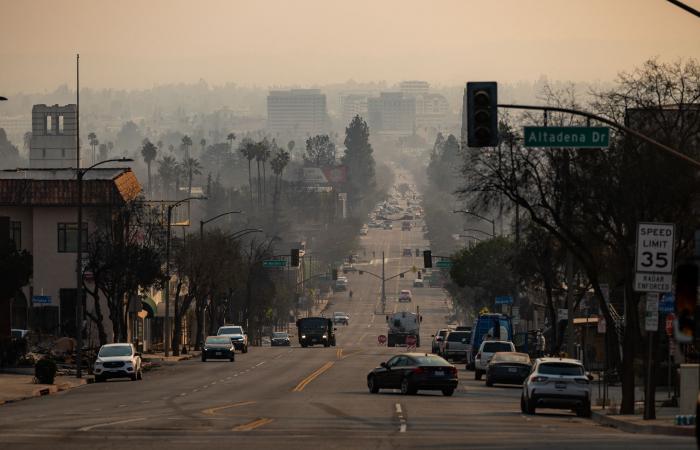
x=383 y=286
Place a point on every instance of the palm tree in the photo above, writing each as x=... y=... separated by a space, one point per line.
x=186 y=144
x=103 y=152
x=248 y=149
x=203 y=143
x=262 y=152
x=92 y=139
x=167 y=170
x=278 y=164
x=230 y=138
x=265 y=155
x=149 y=152
x=191 y=167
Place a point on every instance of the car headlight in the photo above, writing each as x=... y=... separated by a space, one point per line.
x=205 y=349
x=98 y=363
x=325 y=336
x=303 y=336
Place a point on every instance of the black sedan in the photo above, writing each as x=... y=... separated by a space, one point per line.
x=413 y=371
x=508 y=368
x=218 y=347
x=279 y=338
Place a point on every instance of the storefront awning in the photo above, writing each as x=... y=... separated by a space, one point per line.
x=149 y=305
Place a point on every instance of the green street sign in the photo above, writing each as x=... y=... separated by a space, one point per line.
x=444 y=264
x=567 y=137
x=274 y=263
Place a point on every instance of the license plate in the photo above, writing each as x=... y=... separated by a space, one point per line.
x=512 y=370
x=560 y=385
x=218 y=353
x=439 y=373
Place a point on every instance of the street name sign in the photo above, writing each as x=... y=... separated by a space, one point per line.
x=654 y=257
x=41 y=299
x=567 y=137
x=504 y=300
x=444 y=264
x=274 y=263
x=651 y=316
x=667 y=303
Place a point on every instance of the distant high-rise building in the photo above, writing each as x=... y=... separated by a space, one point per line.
x=298 y=111
x=392 y=113
x=53 y=144
x=353 y=105
x=414 y=87
x=431 y=109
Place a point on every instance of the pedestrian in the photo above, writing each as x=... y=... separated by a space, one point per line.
x=540 y=344
x=350 y=294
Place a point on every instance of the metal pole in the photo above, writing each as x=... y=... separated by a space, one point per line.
x=201 y=231
x=166 y=319
x=383 y=286
x=79 y=249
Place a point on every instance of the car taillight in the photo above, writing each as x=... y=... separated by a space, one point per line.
x=478 y=355
x=418 y=370
x=538 y=379
x=453 y=370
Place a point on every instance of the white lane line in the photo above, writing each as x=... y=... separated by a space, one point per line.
x=260 y=364
x=402 y=428
x=398 y=408
x=402 y=419
x=106 y=424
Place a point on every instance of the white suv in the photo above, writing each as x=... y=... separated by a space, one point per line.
x=238 y=337
x=557 y=383
x=486 y=352
x=118 y=361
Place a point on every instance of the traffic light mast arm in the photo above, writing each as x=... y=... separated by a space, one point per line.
x=325 y=274
x=370 y=273
x=611 y=123
x=385 y=279
x=399 y=274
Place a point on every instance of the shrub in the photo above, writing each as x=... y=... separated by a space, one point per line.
x=45 y=371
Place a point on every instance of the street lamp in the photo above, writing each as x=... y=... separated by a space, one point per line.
x=471 y=213
x=243 y=232
x=79 y=263
x=166 y=321
x=204 y=222
x=480 y=231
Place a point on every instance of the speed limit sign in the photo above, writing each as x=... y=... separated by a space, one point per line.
x=654 y=257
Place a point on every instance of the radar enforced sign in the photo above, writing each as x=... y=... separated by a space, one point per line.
x=654 y=258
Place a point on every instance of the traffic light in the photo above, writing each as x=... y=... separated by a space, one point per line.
x=482 y=113
x=335 y=274
x=427 y=259
x=295 y=257
x=686 y=301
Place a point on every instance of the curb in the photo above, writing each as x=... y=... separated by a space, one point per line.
x=667 y=430
x=43 y=391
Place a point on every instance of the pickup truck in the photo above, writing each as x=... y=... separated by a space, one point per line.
x=455 y=345
x=238 y=337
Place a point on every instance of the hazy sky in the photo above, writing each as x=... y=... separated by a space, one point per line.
x=141 y=43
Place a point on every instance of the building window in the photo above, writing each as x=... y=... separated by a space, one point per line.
x=68 y=237
x=60 y=124
x=16 y=233
x=43 y=153
x=49 y=124
x=63 y=153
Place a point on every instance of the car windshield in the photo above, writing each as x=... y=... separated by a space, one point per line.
x=279 y=335
x=115 y=350
x=230 y=330
x=509 y=357
x=566 y=369
x=457 y=336
x=313 y=323
x=217 y=340
x=493 y=347
x=430 y=360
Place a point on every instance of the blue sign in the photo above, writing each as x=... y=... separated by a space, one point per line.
x=667 y=303
x=504 y=300
x=41 y=299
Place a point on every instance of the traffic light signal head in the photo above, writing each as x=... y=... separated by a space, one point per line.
x=295 y=257
x=427 y=259
x=335 y=274
x=481 y=101
x=686 y=301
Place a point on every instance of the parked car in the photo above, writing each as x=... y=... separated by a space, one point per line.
x=280 y=338
x=438 y=337
x=405 y=296
x=411 y=372
x=490 y=325
x=508 y=368
x=118 y=361
x=341 y=284
x=218 y=347
x=455 y=345
x=486 y=352
x=557 y=383
x=418 y=282
x=237 y=336
x=349 y=267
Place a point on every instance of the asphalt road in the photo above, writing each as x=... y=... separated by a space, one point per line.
x=308 y=398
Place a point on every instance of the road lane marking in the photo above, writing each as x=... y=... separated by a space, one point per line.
x=106 y=424
x=257 y=423
x=402 y=419
x=303 y=383
x=398 y=408
x=212 y=411
x=260 y=364
x=339 y=353
x=362 y=337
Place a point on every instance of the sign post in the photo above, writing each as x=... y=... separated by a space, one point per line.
x=654 y=257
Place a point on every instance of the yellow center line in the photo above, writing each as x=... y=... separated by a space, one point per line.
x=339 y=353
x=257 y=423
x=302 y=384
x=352 y=353
x=212 y=411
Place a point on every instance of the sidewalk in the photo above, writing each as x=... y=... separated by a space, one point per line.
x=663 y=424
x=16 y=387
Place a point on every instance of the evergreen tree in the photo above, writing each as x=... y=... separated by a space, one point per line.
x=359 y=161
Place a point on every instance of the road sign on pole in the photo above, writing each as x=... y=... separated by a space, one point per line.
x=654 y=257
x=444 y=264
x=651 y=316
x=504 y=300
x=567 y=137
x=274 y=263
